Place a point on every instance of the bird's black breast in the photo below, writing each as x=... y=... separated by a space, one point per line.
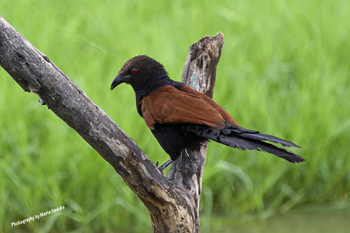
x=175 y=137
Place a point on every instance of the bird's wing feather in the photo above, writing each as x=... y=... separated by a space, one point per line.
x=225 y=115
x=169 y=105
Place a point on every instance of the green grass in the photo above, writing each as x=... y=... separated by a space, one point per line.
x=284 y=71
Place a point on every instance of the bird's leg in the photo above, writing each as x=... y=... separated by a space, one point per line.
x=164 y=165
x=190 y=158
x=187 y=153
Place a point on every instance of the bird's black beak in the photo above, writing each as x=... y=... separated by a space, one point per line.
x=118 y=80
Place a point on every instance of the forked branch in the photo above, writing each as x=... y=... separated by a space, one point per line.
x=172 y=203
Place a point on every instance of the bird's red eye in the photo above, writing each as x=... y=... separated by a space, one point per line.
x=134 y=71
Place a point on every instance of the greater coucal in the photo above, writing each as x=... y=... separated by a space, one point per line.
x=180 y=117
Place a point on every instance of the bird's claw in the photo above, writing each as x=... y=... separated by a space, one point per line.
x=164 y=165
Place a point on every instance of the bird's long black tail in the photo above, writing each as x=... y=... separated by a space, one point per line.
x=245 y=139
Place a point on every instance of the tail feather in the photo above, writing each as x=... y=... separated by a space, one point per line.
x=244 y=139
x=246 y=133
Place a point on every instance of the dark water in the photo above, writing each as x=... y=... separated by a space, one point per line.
x=293 y=221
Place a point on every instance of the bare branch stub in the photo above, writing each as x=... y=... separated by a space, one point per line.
x=200 y=74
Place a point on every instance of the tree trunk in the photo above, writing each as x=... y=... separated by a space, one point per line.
x=172 y=203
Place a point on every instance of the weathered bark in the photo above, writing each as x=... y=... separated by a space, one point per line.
x=172 y=203
x=200 y=74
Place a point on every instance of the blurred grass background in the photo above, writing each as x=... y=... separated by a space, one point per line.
x=284 y=71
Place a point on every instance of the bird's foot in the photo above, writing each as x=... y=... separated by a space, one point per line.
x=164 y=165
x=41 y=101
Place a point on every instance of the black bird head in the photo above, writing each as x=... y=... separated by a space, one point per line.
x=140 y=72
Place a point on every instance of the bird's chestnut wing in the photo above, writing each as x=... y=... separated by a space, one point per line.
x=169 y=105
